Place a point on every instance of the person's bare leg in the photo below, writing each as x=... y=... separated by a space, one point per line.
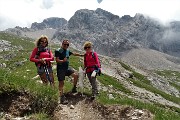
x=44 y=79
x=75 y=77
x=62 y=96
x=52 y=79
x=61 y=85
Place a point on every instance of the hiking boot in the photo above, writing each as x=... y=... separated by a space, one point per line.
x=63 y=100
x=93 y=97
x=97 y=92
x=74 y=90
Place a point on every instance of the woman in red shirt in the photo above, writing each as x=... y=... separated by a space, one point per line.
x=92 y=66
x=42 y=56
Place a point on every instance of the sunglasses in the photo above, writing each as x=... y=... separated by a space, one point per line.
x=66 y=44
x=43 y=42
x=86 y=48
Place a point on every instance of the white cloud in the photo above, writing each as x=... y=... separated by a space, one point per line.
x=164 y=10
x=48 y=4
x=24 y=12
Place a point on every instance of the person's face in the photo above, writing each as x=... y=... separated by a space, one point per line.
x=87 y=48
x=43 y=42
x=65 y=44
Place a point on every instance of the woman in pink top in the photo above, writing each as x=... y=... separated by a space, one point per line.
x=42 y=56
x=92 y=67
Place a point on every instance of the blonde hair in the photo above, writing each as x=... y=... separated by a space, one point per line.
x=87 y=44
x=37 y=43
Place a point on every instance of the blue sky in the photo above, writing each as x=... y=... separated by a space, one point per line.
x=24 y=12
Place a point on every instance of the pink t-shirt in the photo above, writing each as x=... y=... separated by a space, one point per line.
x=46 y=54
x=90 y=61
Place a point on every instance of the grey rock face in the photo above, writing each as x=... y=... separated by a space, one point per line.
x=112 y=35
x=52 y=22
x=91 y=21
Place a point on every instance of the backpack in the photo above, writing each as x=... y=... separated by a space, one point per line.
x=38 y=54
x=96 y=67
x=95 y=59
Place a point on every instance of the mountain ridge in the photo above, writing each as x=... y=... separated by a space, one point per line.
x=110 y=32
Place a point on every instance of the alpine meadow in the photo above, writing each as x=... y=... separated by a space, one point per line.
x=139 y=58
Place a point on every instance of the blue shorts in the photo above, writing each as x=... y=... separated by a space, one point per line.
x=40 y=70
x=61 y=73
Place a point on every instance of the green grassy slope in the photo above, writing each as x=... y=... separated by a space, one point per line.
x=45 y=99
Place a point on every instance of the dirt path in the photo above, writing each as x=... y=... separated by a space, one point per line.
x=78 y=108
x=82 y=108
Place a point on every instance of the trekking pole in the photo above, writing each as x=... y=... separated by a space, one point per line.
x=47 y=74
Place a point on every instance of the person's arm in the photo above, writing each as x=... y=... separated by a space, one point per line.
x=60 y=61
x=85 y=62
x=33 y=54
x=32 y=57
x=77 y=54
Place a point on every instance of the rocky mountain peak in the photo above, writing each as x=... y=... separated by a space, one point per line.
x=107 y=14
x=81 y=19
x=126 y=18
x=53 y=22
x=139 y=16
x=92 y=20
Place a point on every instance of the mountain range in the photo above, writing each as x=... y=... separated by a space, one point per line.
x=110 y=34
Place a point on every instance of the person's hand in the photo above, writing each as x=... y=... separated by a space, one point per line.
x=65 y=59
x=43 y=61
x=99 y=71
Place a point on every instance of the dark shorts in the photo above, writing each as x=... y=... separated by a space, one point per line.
x=62 y=73
x=40 y=70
